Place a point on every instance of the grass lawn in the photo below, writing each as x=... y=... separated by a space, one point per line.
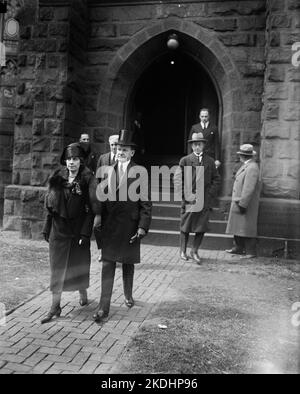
x=221 y=318
x=24 y=268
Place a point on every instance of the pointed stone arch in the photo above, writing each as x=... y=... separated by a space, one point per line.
x=204 y=46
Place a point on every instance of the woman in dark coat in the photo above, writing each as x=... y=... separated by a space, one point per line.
x=68 y=227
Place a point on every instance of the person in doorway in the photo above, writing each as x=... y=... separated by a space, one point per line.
x=242 y=221
x=196 y=220
x=123 y=223
x=68 y=227
x=90 y=157
x=210 y=133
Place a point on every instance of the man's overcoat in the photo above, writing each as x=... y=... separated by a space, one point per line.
x=121 y=219
x=246 y=191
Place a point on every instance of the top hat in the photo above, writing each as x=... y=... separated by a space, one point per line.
x=72 y=150
x=126 y=138
x=246 y=149
x=197 y=137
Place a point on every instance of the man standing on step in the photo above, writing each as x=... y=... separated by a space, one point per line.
x=210 y=133
x=123 y=220
x=197 y=174
x=242 y=221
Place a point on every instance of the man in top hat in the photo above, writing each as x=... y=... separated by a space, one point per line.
x=242 y=221
x=204 y=181
x=210 y=133
x=124 y=222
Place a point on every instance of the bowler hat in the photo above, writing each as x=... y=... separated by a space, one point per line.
x=72 y=150
x=197 y=137
x=246 y=149
x=126 y=138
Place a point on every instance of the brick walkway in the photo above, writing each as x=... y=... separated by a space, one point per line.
x=74 y=343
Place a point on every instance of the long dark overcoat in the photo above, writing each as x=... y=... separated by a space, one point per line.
x=197 y=222
x=121 y=219
x=246 y=191
x=69 y=216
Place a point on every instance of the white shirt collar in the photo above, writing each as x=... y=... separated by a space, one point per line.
x=124 y=165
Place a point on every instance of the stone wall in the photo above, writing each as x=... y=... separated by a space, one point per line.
x=8 y=77
x=234 y=27
x=281 y=114
x=49 y=103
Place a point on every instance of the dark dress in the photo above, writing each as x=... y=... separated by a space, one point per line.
x=69 y=217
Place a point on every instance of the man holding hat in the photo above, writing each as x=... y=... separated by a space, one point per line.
x=204 y=181
x=242 y=221
x=124 y=222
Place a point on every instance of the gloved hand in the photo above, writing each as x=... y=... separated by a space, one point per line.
x=46 y=237
x=242 y=209
x=139 y=235
x=84 y=241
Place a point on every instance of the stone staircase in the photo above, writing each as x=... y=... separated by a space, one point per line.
x=164 y=229
x=165 y=224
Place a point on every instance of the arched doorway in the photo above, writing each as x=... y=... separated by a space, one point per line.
x=166 y=100
x=132 y=61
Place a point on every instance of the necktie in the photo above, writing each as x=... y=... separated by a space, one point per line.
x=200 y=159
x=113 y=159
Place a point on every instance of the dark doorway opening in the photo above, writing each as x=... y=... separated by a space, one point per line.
x=166 y=101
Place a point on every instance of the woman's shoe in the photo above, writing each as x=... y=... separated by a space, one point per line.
x=55 y=312
x=83 y=300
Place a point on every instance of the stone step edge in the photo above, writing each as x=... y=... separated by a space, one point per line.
x=172 y=232
x=178 y=219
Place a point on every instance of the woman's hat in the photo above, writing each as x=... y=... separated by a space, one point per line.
x=246 y=149
x=197 y=137
x=126 y=137
x=72 y=150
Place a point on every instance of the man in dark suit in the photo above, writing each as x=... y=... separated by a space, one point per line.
x=210 y=133
x=121 y=222
x=198 y=189
x=90 y=157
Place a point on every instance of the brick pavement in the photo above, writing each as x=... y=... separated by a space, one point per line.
x=74 y=343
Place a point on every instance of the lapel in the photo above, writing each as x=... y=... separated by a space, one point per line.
x=243 y=168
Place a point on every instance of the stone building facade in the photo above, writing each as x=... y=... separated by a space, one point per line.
x=84 y=65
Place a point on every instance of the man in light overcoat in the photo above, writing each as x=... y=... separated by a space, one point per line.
x=242 y=221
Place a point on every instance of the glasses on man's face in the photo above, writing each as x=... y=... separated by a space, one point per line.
x=113 y=144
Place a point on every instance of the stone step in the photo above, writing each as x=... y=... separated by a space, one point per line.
x=173 y=223
x=171 y=238
x=172 y=209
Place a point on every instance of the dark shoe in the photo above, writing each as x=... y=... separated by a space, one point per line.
x=183 y=256
x=55 y=312
x=129 y=302
x=83 y=300
x=195 y=257
x=100 y=316
x=234 y=251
